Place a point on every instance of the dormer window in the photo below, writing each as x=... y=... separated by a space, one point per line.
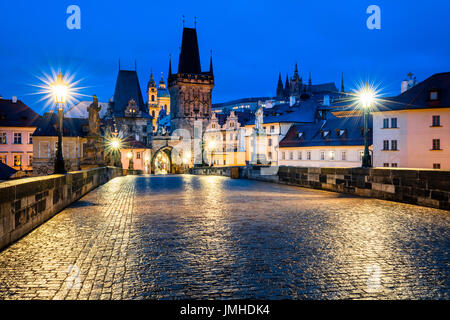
x=341 y=132
x=434 y=95
x=300 y=134
x=231 y=124
x=325 y=133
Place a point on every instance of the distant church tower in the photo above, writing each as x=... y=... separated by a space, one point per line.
x=190 y=88
x=152 y=96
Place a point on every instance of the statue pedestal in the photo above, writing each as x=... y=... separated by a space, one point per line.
x=93 y=153
x=259 y=149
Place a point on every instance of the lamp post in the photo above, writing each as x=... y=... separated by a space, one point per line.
x=366 y=98
x=130 y=160
x=59 y=89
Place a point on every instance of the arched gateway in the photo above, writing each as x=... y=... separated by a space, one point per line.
x=162 y=161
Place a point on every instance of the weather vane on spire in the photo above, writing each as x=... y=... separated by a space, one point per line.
x=195 y=22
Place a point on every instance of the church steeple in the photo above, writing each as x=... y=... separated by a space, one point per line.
x=280 y=90
x=342 y=83
x=170 y=65
x=287 y=87
x=211 y=65
x=309 y=83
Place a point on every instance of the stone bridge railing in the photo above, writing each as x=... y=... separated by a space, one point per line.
x=27 y=203
x=424 y=187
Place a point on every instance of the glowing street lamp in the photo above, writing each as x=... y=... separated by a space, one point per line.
x=366 y=97
x=59 y=90
x=130 y=160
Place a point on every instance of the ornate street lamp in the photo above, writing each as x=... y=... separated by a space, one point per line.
x=366 y=98
x=59 y=90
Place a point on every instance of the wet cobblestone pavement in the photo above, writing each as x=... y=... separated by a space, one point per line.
x=173 y=237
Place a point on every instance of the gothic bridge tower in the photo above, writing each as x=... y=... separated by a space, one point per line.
x=190 y=88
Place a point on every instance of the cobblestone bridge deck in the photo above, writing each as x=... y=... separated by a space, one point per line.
x=212 y=237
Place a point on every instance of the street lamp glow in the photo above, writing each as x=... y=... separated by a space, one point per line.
x=59 y=90
x=129 y=155
x=366 y=96
x=115 y=144
x=211 y=144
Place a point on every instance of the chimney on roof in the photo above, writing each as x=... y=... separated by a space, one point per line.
x=404 y=86
x=14 y=99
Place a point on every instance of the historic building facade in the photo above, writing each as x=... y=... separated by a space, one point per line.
x=17 y=124
x=412 y=130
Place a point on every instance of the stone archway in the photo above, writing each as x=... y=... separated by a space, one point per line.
x=162 y=161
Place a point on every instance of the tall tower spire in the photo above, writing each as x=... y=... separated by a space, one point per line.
x=287 y=87
x=211 y=65
x=342 y=83
x=310 y=83
x=280 y=90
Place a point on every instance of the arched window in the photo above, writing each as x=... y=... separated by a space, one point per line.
x=153 y=113
x=153 y=98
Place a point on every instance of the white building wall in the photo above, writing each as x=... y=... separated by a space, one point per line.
x=415 y=136
x=352 y=158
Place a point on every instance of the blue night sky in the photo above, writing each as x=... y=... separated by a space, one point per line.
x=251 y=41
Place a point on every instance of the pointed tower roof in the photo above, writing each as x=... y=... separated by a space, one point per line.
x=189 y=61
x=211 y=65
x=342 y=83
x=286 y=84
x=151 y=82
x=127 y=88
x=280 y=90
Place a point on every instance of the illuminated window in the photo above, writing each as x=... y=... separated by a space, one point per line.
x=436 y=165
x=17 y=160
x=283 y=155
x=344 y=155
x=3 y=138
x=322 y=155
x=3 y=158
x=331 y=155
x=269 y=155
x=138 y=155
x=30 y=160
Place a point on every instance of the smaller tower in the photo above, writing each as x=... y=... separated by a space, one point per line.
x=287 y=88
x=280 y=90
x=152 y=95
